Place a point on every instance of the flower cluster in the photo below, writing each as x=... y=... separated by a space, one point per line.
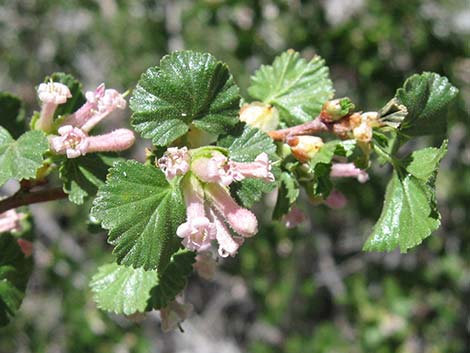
x=73 y=139
x=362 y=126
x=211 y=212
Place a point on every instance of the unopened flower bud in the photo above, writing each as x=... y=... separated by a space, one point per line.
x=304 y=147
x=363 y=132
x=336 y=109
x=260 y=115
x=345 y=170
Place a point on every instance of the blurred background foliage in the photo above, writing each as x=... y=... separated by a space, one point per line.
x=308 y=290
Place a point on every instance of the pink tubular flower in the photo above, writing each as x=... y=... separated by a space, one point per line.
x=72 y=141
x=293 y=218
x=197 y=232
x=51 y=94
x=173 y=314
x=175 y=161
x=205 y=265
x=99 y=104
x=219 y=169
x=260 y=168
x=10 y=221
x=336 y=200
x=240 y=219
x=344 y=170
x=115 y=141
x=228 y=245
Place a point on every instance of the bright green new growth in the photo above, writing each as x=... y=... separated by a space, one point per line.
x=142 y=211
x=187 y=88
x=296 y=87
x=21 y=158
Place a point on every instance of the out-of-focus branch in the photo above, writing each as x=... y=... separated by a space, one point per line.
x=23 y=198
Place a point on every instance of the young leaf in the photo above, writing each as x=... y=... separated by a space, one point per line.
x=288 y=194
x=173 y=280
x=188 y=87
x=296 y=87
x=21 y=158
x=142 y=211
x=12 y=114
x=121 y=289
x=409 y=214
x=426 y=98
x=84 y=175
x=15 y=270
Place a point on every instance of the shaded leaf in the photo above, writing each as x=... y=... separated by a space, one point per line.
x=12 y=114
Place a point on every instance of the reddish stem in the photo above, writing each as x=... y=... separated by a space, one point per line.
x=22 y=198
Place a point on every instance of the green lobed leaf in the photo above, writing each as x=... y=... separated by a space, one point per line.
x=142 y=211
x=15 y=270
x=21 y=158
x=12 y=114
x=287 y=196
x=426 y=98
x=409 y=214
x=83 y=176
x=244 y=145
x=296 y=87
x=173 y=280
x=121 y=289
x=188 y=87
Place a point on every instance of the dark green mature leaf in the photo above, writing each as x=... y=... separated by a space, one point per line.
x=142 y=211
x=244 y=145
x=21 y=158
x=84 y=175
x=426 y=97
x=12 y=114
x=75 y=87
x=173 y=280
x=297 y=87
x=15 y=270
x=121 y=289
x=188 y=87
x=287 y=196
x=409 y=214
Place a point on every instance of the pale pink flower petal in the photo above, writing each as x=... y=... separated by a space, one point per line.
x=228 y=245
x=72 y=141
x=205 y=265
x=240 y=219
x=344 y=170
x=173 y=314
x=293 y=218
x=53 y=92
x=87 y=110
x=175 y=161
x=213 y=170
x=10 y=221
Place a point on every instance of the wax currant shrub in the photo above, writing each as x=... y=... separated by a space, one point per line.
x=214 y=155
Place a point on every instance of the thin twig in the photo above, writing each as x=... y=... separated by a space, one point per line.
x=22 y=198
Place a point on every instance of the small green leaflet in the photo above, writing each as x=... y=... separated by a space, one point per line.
x=296 y=87
x=426 y=98
x=121 y=289
x=188 y=87
x=244 y=145
x=12 y=114
x=142 y=211
x=173 y=280
x=21 y=158
x=409 y=214
x=127 y=290
x=83 y=176
x=287 y=196
x=15 y=270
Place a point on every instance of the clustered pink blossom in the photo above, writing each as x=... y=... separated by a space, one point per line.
x=345 y=170
x=10 y=221
x=211 y=212
x=73 y=139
